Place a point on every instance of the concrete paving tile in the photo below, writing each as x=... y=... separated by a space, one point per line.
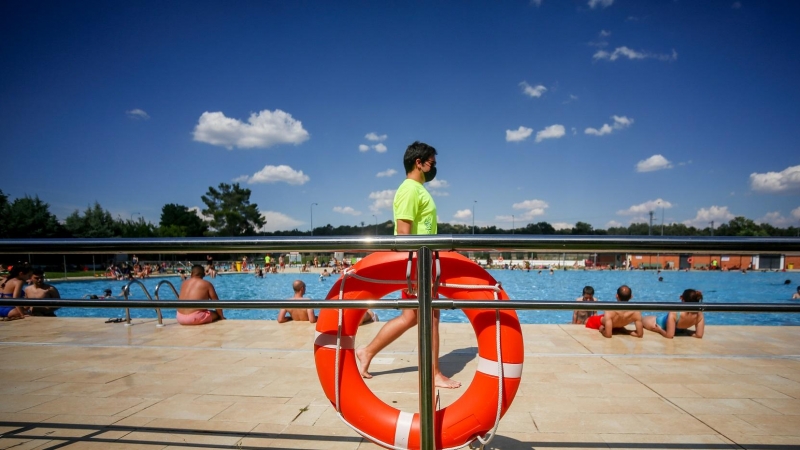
x=19 y=402
x=765 y=442
x=316 y=437
x=23 y=417
x=90 y=406
x=673 y=390
x=787 y=406
x=310 y=415
x=255 y=412
x=84 y=376
x=774 y=425
x=183 y=407
x=23 y=387
x=619 y=423
x=722 y=406
x=652 y=405
x=727 y=424
x=556 y=441
x=24 y=443
x=121 y=444
x=740 y=390
x=80 y=390
x=699 y=441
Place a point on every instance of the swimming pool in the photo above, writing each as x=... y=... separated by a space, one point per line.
x=719 y=287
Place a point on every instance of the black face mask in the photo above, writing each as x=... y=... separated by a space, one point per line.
x=430 y=175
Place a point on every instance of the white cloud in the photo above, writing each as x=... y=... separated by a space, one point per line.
x=653 y=163
x=531 y=208
x=375 y=137
x=276 y=174
x=574 y=131
x=796 y=213
x=562 y=225
x=386 y=173
x=363 y=148
x=736 y=5
x=532 y=91
x=198 y=211
x=536 y=3
x=518 y=135
x=279 y=222
x=463 y=214
x=346 y=210
x=605 y=33
x=572 y=98
x=719 y=214
x=262 y=130
x=435 y=187
x=775 y=219
x=601 y=3
x=633 y=54
x=381 y=200
x=644 y=208
x=241 y=179
x=620 y=122
x=613 y=223
x=551 y=132
x=380 y=148
x=785 y=180
x=137 y=114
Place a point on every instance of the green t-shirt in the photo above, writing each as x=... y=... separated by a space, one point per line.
x=413 y=202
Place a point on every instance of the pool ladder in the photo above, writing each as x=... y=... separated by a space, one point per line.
x=126 y=291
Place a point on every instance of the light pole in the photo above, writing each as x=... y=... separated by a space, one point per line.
x=662 y=220
x=312 y=217
x=512 y=224
x=473 y=216
x=376 y=224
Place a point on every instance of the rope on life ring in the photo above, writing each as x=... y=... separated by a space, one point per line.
x=473 y=416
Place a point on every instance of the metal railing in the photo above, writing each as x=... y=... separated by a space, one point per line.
x=424 y=246
x=155 y=292
x=126 y=292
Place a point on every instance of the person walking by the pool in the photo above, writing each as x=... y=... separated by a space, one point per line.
x=11 y=287
x=281 y=264
x=414 y=213
x=615 y=321
x=41 y=290
x=196 y=288
x=299 y=314
x=672 y=323
x=579 y=317
x=266 y=263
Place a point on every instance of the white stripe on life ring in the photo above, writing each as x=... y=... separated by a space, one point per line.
x=329 y=340
x=489 y=367
x=403 y=429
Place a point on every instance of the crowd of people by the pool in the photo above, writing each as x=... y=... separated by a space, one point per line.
x=25 y=281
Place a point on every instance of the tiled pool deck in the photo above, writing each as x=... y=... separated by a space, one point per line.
x=81 y=383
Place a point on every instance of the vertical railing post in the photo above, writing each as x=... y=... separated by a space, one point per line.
x=425 y=331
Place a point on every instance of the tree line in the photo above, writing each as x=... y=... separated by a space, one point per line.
x=230 y=213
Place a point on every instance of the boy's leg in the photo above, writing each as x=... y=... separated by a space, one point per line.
x=439 y=380
x=392 y=330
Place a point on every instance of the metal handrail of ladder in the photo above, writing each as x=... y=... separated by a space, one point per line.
x=126 y=291
x=155 y=293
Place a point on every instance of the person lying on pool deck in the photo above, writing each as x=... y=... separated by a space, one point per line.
x=672 y=323
x=196 y=288
x=615 y=321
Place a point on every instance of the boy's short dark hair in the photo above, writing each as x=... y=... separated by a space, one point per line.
x=38 y=272
x=624 y=293
x=588 y=290
x=692 y=295
x=415 y=151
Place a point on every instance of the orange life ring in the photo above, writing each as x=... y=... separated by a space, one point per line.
x=474 y=413
x=690 y=260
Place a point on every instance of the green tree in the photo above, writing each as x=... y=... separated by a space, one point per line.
x=231 y=212
x=3 y=206
x=94 y=223
x=31 y=218
x=138 y=228
x=582 y=228
x=179 y=221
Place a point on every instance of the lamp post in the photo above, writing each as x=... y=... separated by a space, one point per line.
x=662 y=220
x=512 y=224
x=376 y=224
x=473 y=216
x=312 y=217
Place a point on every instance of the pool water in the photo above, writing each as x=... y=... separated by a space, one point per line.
x=717 y=287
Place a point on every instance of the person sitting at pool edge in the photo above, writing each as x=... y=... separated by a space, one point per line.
x=12 y=288
x=40 y=290
x=299 y=314
x=796 y=295
x=579 y=317
x=196 y=288
x=672 y=323
x=615 y=321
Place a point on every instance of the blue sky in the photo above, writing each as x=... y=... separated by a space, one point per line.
x=555 y=111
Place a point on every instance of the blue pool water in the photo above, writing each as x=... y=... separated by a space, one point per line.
x=733 y=287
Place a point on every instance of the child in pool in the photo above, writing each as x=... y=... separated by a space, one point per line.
x=669 y=324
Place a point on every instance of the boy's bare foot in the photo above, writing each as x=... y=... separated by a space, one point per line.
x=363 y=361
x=439 y=380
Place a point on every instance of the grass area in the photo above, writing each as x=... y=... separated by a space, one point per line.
x=56 y=275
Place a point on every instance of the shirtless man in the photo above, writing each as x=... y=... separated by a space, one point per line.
x=11 y=287
x=38 y=290
x=615 y=321
x=298 y=315
x=196 y=288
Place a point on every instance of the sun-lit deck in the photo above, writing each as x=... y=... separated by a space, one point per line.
x=82 y=383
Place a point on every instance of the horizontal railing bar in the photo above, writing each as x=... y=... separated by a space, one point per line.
x=441 y=242
x=413 y=304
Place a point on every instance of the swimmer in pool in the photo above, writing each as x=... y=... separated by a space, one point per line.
x=196 y=288
x=796 y=295
x=672 y=323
